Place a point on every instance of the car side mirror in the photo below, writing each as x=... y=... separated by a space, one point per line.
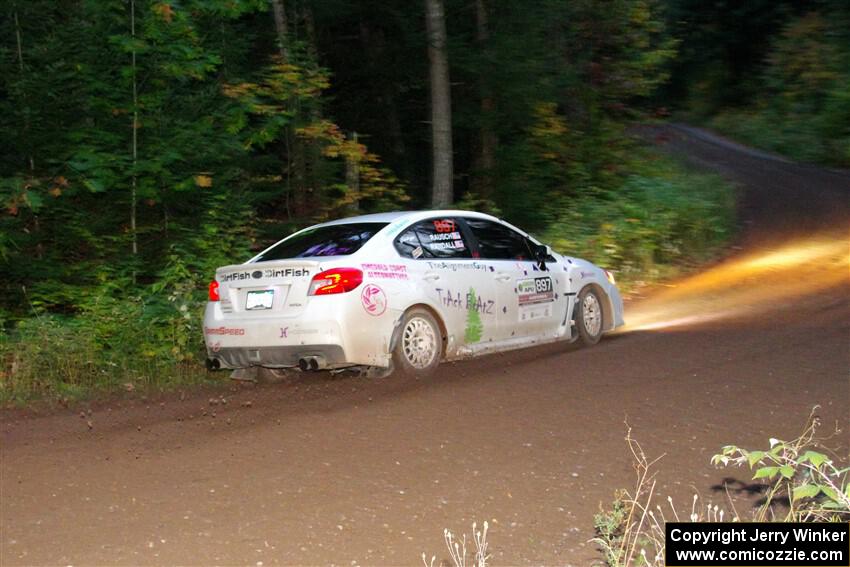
x=541 y=253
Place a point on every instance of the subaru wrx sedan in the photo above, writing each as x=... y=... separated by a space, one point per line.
x=403 y=291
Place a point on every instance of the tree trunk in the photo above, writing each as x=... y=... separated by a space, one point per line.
x=281 y=28
x=441 y=105
x=20 y=43
x=375 y=46
x=488 y=140
x=295 y=168
x=135 y=137
x=352 y=179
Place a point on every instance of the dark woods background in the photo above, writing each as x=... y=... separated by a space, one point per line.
x=144 y=142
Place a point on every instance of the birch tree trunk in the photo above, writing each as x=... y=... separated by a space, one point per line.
x=441 y=105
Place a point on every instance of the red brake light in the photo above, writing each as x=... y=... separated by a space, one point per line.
x=214 y=291
x=336 y=280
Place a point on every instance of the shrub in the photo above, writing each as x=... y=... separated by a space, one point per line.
x=801 y=484
x=117 y=338
x=661 y=219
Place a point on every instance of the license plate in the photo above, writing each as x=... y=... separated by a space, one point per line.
x=261 y=299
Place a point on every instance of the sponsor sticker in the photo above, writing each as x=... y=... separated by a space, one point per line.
x=267 y=273
x=535 y=297
x=236 y=331
x=386 y=271
x=535 y=290
x=457 y=265
x=374 y=300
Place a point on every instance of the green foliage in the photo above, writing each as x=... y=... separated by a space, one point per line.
x=144 y=143
x=115 y=344
x=803 y=484
x=661 y=218
x=803 y=110
x=610 y=526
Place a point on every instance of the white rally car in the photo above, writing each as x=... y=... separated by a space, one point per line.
x=402 y=291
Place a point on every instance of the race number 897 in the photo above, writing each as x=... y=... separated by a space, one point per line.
x=543 y=285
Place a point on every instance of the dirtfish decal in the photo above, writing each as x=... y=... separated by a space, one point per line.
x=267 y=273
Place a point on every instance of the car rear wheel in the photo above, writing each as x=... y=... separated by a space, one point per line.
x=419 y=346
x=588 y=316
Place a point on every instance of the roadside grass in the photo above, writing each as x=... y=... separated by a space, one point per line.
x=129 y=347
x=799 y=482
x=456 y=546
x=631 y=532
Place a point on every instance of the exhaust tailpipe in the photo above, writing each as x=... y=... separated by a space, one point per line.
x=313 y=363
x=213 y=364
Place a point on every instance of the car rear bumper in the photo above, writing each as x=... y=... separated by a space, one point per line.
x=336 y=330
x=278 y=356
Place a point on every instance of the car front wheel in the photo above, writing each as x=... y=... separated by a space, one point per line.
x=588 y=316
x=419 y=345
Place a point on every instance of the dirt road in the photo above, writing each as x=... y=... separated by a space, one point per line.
x=347 y=471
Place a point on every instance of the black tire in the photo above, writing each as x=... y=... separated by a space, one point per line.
x=589 y=316
x=419 y=345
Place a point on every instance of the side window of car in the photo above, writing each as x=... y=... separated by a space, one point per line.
x=498 y=242
x=433 y=238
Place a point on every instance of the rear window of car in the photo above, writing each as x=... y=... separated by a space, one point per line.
x=434 y=238
x=331 y=240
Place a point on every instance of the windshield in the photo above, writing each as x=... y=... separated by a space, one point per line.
x=332 y=240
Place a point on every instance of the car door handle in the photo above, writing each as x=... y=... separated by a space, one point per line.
x=503 y=277
x=431 y=277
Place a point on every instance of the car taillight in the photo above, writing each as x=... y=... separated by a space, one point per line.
x=610 y=277
x=214 y=291
x=337 y=280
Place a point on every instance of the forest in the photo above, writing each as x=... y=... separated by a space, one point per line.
x=143 y=143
